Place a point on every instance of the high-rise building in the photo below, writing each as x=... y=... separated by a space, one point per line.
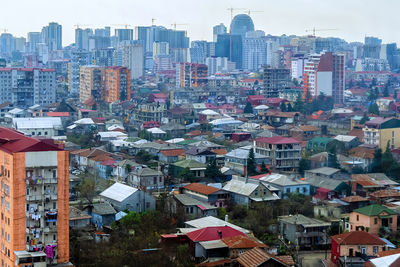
x=103 y=56
x=160 y=49
x=91 y=82
x=82 y=38
x=198 y=52
x=123 y=35
x=191 y=75
x=7 y=44
x=133 y=58
x=241 y=24
x=52 y=36
x=20 y=44
x=310 y=74
x=230 y=46
x=275 y=81
x=34 y=201
x=217 y=65
x=330 y=76
x=218 y=29
x=27 y=87
x=388 y=52
x=78 y=59
x=297 y=66
x=254 y=51
x=34 y=38
x=117 y=84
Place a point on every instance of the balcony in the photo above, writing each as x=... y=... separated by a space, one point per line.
x=34 y=198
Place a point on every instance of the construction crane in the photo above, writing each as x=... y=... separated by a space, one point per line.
x=152 y=21
x=231 y=9
x=313 y=30
x=78 y=26
x=125 y=25
x=4 y=30
x=253 y=11
x=178 y=24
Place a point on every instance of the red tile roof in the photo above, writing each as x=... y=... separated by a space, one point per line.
x=201 y=188
x=12 y=141
x=57 y=114
x=242 y=242
x=385 y=193
x=277 y=140
x=388 y=252
x=364 y=180
x=213 y=233
x=351 y=199
x=256 y=257
x=173 y=152
x=357 y=238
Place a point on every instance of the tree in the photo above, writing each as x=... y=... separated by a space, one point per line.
x=251 y=163
x=373 y=109
x=87 y=189
x=289 y=107
x=387 y=158
x=386 y=90
x=283 y=107
x=264 y=168
x=364 y=119
x=212 y=171
x=299 y=104
x=248 y=108
x=304 y=164
x=376 y=165
x=143 y=156
x=187 y=175
x=332 y=158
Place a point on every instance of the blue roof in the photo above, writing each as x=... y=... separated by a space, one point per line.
x=388 y=243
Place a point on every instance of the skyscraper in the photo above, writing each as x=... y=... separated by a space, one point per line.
x=275 y=81
x=90 y=82
x=218 y=29
x=35 y=205
x=191 y=75
x=82 y=37
x=117 y=84
x=254 y=50
x=52 y=36
x=198 y=52
x=78 y=59
x=34 y=38
x=230 y=46
x=241 y=24
x=133 y=58
x=7 y=44
x=123 y=35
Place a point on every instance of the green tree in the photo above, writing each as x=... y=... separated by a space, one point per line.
x=283 y=107
x=373 y=109
x=304 y=164
x=387 y=158
x=188 y=175
x=143 y=156
x=332 y=158
x=289 y=107
x=87 y=189
x=248 y=108
x=264 y=168
x=299 y=104
x=212 y=171
x=376 y=165
x=251 y=164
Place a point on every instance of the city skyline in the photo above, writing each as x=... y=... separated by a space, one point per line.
x=353 y=20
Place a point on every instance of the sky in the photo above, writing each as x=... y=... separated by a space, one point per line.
x=351 y=19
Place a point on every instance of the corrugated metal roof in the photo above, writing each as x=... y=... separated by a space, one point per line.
x=118 y=192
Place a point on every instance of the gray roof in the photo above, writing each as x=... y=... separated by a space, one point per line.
x=382 y=179
x=146 y=172
x=187 y=200
x=205 y=144
x=118 y=192
x=324 y=170
x=213 y=244
x=103 y=209
x=281 y=180
x=303 y=220
x=243 y=154
x=331 y=184
x=211 y=221
x=239 y=186
x=172 y=126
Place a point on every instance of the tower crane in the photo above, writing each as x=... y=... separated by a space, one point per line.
x=4 y=30
x=178 y=24
x=253 y=11
x=313 y=30
x=125 y=25
x=152 y=21
x=78 y=26
x=231 y=9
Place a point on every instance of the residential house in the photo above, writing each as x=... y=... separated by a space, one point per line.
x=365 y=155
x=284 y=153
x=197 y=168
x=171 y=155
x=380 y=131
x=284 y=183
x=193 y=208
x=354 y=247
x=146 y=178
x=177 y=115
x=304 y=232
x=244 y=191
x=319 y=143
x=237 y=159
x=46 y=127
x=202 y=155
x=103 y=214
x=259 y=257
x=211 y=221
x=348 y=140
x=371 y=218
x=78 y=219
x=212 y=195
x=355 y=202
x=124 y=197
x=173 y=129
x=240 y=244
x=383 y=195
x=304 y=132
x=124 y=167
x=278 y=118
x=319 y=160
x=326 y=173
x=363 y=184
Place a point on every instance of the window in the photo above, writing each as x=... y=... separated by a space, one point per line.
x=390 y=220
x=376 y=221
x=358 y=217
x=298 y=190
x=154 y=180
x=375 y=250
x=363 y=250
x=287 y=190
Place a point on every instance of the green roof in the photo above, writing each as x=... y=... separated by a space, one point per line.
x=189 y=163
x=374 y=210
x=187 y=142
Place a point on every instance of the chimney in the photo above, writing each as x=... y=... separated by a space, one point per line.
x=226 y=219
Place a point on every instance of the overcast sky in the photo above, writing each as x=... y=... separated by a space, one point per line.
x=353 y=19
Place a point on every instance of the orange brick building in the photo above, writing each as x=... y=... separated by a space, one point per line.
x=117 y=84
x=34 y=201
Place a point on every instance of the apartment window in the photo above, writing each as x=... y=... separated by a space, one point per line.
x=54 y=205
x=376 y=221
x=33 y=133
x=358 y=217
x=54 y=173
x=54 y=238
x=375 y=250
x=154 y=180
